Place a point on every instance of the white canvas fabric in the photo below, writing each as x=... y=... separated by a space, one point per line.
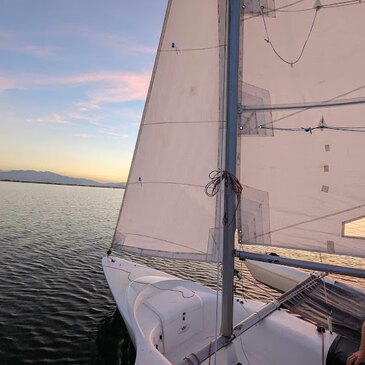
x=300 y=188
x=165 y=211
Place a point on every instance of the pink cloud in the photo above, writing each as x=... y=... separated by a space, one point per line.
x=120 y=89
x=105 y=87
x=135 y=81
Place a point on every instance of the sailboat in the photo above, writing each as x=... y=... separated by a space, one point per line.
x=251 y=135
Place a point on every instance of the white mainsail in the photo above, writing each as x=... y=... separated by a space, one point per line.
x=303 y=68
x=165 y=211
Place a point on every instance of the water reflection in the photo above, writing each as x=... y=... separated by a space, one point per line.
x=113 y=344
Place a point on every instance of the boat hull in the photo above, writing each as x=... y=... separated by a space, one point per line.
x=169 y=318
x=283 y=278
x=278 y=277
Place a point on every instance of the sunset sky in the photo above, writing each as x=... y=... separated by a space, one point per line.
x=73 y=79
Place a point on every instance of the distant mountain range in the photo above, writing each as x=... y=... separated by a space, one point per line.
x=47 y=177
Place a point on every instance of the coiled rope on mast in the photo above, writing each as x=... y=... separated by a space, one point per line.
x=214 y=186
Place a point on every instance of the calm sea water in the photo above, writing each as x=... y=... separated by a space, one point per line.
x=55 y=306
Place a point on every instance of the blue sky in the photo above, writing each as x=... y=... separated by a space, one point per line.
x=73 y=79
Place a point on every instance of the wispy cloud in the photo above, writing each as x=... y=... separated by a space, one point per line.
x=122 y=45
x=113 y=132
x=77 y=116
x=100 y=90
x=7 y=83
x=116 y=42
x=104 y=87
x=11 y=42
x=53 y=119
x=82 y=135
x=119 y=88
x=71 y=118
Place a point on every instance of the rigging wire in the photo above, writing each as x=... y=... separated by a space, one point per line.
x=329 y=315
x=291 y=63
x=175 y=49
x=308 y=108
x=311 y=129
x=218 y=285
x=343 y=3
x=283 y=9
x=324 y=6
x=272 y=10
x=291 y=11
x=301 y=105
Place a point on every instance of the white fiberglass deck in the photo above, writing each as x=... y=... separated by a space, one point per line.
x=169 y=318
